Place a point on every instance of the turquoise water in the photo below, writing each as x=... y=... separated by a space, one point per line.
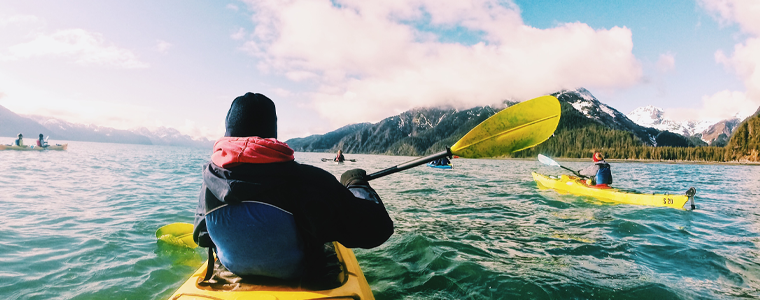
x=80 y=224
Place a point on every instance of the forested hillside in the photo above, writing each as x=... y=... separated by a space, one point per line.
x=745 y=141
x=415 y=132
x=578 y=137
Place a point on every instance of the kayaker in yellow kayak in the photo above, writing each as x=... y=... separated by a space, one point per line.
x=267 y=215
x=19 y=141
x=339 y=157
x=599 y=173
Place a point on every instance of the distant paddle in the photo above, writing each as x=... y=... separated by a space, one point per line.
x=550 y=162
x=515 y=128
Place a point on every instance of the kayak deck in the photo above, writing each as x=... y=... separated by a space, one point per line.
x=34 y=147
x=353 y=285
x=576 y=186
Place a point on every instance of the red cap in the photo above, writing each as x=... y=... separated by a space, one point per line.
x=597 y=156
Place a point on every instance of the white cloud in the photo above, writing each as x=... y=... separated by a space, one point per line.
x=279 y=92
x=29 y=98
x=746 y=13
x=163 y=46
x=745 y=61
x=18 y=20
x=81 y=46
x=192 y=129
x=666 y=62
x=239 y=34
x=232 y=7
x=369 y=62
x=719 y=106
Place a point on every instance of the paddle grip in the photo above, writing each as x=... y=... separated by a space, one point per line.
x=409 y=164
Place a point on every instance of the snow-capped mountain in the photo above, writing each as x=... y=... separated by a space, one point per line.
x=708 y=130
x=719 y=133
x=583 y=101
x=651 y=116
x=63 y=130
x=172 y=137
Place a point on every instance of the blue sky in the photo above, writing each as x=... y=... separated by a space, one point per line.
x=682 y=28
x=331 y=63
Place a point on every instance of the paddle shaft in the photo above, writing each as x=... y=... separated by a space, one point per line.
x=574 y=172
x=571 y=170
x=409 y=164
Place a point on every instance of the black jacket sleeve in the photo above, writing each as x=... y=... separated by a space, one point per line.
x=200 y=232
x=199 y=225
x=330 y=212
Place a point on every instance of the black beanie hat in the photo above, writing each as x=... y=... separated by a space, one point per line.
x=251 y=115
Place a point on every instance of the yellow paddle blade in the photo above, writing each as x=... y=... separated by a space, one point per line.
x=179 y=234
x=515 y=128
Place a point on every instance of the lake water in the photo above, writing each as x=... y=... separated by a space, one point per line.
x=80 y=224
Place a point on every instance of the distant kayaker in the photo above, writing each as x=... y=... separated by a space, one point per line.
x=339 y=157
x=41 y=142
x=268 y=215
x=19 y=141
x=599 y=172
x=443 y=161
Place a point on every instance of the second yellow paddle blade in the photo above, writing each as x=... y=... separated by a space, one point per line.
x=515 y=128
x=179 y=234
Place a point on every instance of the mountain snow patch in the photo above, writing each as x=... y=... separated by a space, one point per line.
x=607 y=110
x=651 y=116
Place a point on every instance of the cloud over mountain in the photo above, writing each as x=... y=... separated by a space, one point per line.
x=370 y=59
x=745 y=60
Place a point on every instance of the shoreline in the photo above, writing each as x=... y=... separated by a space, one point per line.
x=615 y=160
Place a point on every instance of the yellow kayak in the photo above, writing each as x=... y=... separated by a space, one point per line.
x=34 y=148
x=576 y=186
x=354 y=285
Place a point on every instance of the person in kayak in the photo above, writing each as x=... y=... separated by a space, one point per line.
x=443 y=161
x=266 y=214
x=599 y=172
x=19 y=141
x=339 y=157
x=41 y=142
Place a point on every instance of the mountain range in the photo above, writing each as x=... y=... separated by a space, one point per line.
x=586 y=124
x=424 y=131
x=714 y=133
x=11 y=124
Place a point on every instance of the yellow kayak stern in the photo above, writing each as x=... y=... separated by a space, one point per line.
x=354 y=286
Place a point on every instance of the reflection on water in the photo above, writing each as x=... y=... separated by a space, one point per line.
x=80 y=224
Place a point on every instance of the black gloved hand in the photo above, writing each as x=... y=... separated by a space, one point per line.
x=354 y=177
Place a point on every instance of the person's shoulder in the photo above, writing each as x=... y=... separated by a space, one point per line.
x=309 y=170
